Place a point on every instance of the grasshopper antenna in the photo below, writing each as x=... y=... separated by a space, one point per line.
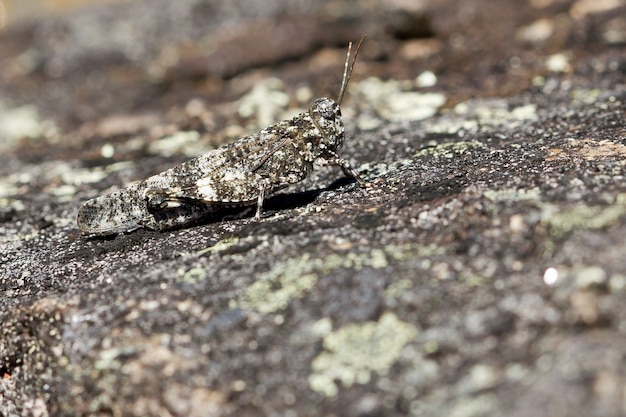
x=348 y=67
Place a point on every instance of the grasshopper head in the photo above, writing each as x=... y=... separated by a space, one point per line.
x=326 y=116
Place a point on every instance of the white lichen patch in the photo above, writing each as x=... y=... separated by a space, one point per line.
x=583 y=8
x=83 y=176
x=22 y=122
x=478 y=113
x=8 y=187
x=107 y=150
x=64 y=192
x=451 y=149
x=558 y=63
x=426 y=79
x=17 y=238
x=9 y=192
x=450 y=124
x=186 y=142
x=355 y=351
x=266 y=101
x=11 y=204
x=513 y=194
x=69 y=174
x=396 y=101
x=584 y=96
x=496 y=111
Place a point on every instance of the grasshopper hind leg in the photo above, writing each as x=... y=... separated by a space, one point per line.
x=169 y=211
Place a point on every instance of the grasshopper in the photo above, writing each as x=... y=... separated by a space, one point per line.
x=242 y=173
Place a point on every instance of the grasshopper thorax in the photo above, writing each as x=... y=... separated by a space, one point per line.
x=326 y=116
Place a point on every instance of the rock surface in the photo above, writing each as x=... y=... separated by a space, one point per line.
x=481 y=274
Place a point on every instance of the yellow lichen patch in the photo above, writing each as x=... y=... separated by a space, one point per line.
x=193 y=275
x=397 y=288
x=583 y=216
x=220 y=246
x=275 y=288
x=293 y=278
x=353 y=352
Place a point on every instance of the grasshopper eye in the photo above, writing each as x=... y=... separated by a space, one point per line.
x=326 y=109
x=325 y=112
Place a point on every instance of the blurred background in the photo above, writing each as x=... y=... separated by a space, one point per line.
x=80 y=63
x=12 y=11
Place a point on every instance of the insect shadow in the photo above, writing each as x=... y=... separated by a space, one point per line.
x=290 y=201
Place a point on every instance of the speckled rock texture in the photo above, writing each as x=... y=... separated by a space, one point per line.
x=481 y=273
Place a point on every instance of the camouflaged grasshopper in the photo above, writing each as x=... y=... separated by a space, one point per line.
x=242 y=173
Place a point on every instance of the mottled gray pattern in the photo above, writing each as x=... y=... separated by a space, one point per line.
x=241 y=173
